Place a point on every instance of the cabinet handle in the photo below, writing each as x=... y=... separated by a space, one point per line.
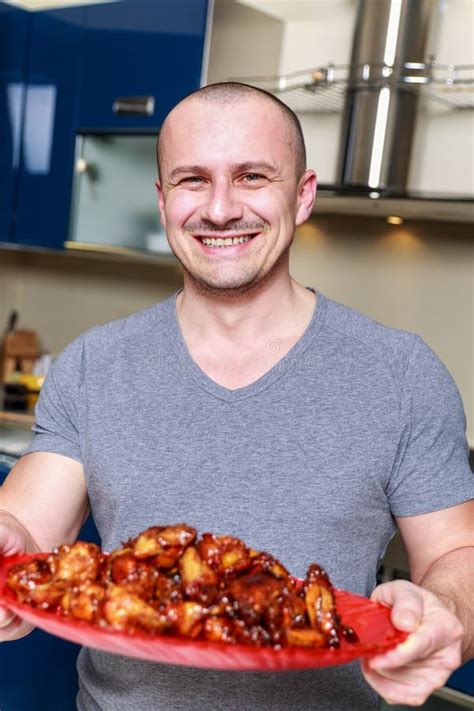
x=134 y=105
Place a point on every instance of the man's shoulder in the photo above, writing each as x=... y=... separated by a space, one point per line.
x=136 y=328
x=362 y=333
x=136 y=325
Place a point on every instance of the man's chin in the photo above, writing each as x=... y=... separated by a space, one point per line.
x=230 y=287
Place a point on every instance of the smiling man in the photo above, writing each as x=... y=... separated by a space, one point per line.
x=233 y=186
x=267 y=411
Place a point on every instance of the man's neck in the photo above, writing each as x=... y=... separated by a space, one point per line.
x=235 y=342
x=247 y=317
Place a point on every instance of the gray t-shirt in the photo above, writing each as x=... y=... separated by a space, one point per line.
x=358 y=423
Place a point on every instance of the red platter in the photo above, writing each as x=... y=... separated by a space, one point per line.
x=370 y=620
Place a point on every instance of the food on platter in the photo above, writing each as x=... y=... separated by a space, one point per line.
x=168 y=581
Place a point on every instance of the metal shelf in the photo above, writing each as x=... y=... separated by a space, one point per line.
x=322 y=90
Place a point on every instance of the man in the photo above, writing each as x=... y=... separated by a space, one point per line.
x=252 y=406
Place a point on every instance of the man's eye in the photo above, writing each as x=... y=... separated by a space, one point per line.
x=193 y=180
x=253 y=177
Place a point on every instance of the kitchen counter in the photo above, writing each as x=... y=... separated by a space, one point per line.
x=21 y=419
x=15 y=432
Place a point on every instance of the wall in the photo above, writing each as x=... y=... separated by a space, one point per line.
x=417 y=276
x=61 y=295
x=236 y=47
x=443 y=144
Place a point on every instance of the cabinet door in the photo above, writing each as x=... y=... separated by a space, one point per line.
x=140 y=48
x=13 y=43
x=80 y=60
x=49 y=127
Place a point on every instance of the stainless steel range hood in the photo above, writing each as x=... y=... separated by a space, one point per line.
x=379 y=94
x=380 y=111
x=389 y=48
x=332 y=200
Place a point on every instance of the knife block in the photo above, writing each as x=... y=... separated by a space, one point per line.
x=20 y=349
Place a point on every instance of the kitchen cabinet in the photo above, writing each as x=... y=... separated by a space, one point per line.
x=114 y=204
x=13 y=43
x=53 y=74
x=139 y=48
x=78 y=61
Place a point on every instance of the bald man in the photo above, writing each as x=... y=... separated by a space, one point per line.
x=250 y=405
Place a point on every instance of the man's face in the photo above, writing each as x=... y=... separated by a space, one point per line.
x=229 y=197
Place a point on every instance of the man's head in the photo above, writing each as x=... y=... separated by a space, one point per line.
x=226 y=92
x=232 y=167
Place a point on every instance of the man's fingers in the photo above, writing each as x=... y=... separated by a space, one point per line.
x=417 y=646
x=438 y=640
x=6 y=621
x=9 y=630
x=403 y=689
x=6 y=617
x=410 y=672
x=405 y=601
x=415 y=674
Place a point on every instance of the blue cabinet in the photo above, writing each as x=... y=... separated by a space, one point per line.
x=75 y=64
x=13 y=47
x=463 y=680
x=140 y=48
x=54 y=71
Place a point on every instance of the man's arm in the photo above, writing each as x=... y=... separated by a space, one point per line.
x=437 y=608
x=43 y=503
x=445 y=563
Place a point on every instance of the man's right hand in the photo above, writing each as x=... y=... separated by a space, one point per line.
x=43 y=503
x=14 y=538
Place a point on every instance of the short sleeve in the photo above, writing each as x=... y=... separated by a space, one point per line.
x=57 y=428
x=431 y=471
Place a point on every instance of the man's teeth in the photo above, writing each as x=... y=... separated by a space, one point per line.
x=220 y=242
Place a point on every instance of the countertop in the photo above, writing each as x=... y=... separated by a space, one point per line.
x=15 y=432
x=21 y=419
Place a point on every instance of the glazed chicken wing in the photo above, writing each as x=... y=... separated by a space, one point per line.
x=124 y=610
x=79 y=562
x=321 y=606
x=25 y=577
x=84 y=602
x=165 y=544
x=224 y=554
x=198 y=579
x=138 y=576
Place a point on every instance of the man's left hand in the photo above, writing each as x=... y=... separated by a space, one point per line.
x=410 y=672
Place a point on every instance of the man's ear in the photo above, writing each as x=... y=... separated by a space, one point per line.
x=161 y=203
x=306 y=195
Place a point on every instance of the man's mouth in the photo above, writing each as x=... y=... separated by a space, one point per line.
x=225 y=241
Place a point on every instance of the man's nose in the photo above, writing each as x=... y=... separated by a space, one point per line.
x=222 y=204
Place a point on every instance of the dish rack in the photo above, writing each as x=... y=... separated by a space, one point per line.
x=446 y=87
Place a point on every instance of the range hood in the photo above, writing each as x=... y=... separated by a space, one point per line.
x=332 y=200
x=379 y=95
x=380 y=107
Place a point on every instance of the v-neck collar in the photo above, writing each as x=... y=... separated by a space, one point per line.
x=268 y=378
